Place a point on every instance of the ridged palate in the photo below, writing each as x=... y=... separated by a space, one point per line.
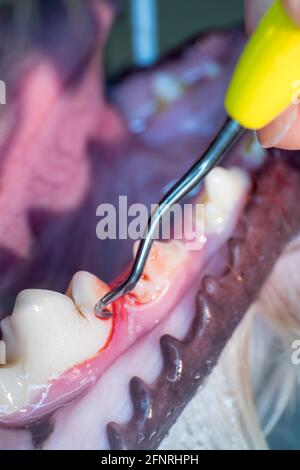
x=269 y=222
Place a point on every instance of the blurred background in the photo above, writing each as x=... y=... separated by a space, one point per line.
x=147 y=29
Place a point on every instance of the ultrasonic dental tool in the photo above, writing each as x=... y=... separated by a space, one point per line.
x=262 y=87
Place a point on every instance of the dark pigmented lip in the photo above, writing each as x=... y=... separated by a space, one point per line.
x=269 y=222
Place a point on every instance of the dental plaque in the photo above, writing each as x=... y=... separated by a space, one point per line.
x=123 y=381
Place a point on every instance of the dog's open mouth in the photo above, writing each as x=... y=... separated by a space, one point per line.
x=121 y=382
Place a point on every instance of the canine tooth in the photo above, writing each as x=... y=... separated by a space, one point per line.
x=223 y=189
x=167 y=87
x=46 y=335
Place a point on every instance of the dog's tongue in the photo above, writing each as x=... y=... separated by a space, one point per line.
x=54 y=119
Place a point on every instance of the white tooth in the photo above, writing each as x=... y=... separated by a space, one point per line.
x=214 y=218
x=46 y=335
x=162 y=263
x=167 y=87
x=87 y=289
x=224 y=186
x=223 y=190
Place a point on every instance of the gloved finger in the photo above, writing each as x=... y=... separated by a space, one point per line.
x=293 y=8
x=254 y=9
x=283 y=132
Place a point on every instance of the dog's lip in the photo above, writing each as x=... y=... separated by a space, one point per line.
x=136 y=314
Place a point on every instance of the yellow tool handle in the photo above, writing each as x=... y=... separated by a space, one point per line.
x=267 y=77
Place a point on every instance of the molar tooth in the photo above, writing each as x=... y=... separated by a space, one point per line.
x=46 y=335
x=223 y=190
x=39 y=320
x=167 y=87
x=224 y=186
x=214 y=218
x=161 y=264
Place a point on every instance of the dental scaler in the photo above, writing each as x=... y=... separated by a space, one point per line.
x=262 y=87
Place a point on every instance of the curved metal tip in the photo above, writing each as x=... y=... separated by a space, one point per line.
x=101 y=311
x=230 y=132
x=101 y=307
